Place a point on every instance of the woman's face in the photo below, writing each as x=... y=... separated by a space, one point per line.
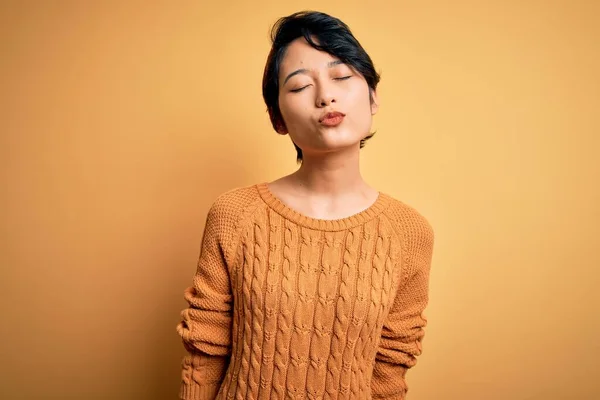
x=312 y=84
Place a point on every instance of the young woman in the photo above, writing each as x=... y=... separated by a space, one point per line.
x=312 y=286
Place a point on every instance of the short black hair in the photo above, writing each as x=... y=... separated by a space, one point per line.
x=333 y=36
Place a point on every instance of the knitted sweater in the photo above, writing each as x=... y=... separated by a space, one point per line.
x=287 y=306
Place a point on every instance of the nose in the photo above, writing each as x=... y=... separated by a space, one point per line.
x=325 y=95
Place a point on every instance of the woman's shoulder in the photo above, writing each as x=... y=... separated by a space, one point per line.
x=409 y=218
x=238 y=194
x=234 y=200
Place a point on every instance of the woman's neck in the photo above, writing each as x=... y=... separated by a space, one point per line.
x=333 y=175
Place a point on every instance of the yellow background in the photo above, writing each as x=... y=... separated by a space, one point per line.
x=122 y=121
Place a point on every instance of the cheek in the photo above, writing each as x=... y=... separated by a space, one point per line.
x=362 y=96
x=363 y=121
x=361 y=108
x=293 y=111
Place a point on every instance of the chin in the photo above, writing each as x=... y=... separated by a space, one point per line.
x=333 y=147
x=339 y=138
x=330 y=140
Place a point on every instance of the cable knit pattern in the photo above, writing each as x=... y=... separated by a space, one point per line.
x=287 y=306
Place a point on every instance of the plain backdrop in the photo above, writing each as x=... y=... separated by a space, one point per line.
x=121 y=121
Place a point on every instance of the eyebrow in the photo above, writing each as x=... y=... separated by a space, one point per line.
x=304 y=70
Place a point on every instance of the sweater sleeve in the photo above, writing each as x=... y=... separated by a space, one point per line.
x=403 y=329
x=205 y=328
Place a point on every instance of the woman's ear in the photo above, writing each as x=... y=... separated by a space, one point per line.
x=280 y=127
x=374 y=101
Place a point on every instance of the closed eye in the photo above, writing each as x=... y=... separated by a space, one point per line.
x=299 y=89
x=341 y=78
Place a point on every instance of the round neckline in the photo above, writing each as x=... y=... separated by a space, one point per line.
x=338 y=224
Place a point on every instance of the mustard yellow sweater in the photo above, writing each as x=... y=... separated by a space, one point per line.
x=286 y=306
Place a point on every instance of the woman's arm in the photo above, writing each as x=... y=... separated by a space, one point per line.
x=206 y=324
x=403 y=329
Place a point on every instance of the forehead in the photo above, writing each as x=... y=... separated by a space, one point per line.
x=300 y=54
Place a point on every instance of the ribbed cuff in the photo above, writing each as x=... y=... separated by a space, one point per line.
x=194 y=391
x=388 y=381
x=401 y=396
